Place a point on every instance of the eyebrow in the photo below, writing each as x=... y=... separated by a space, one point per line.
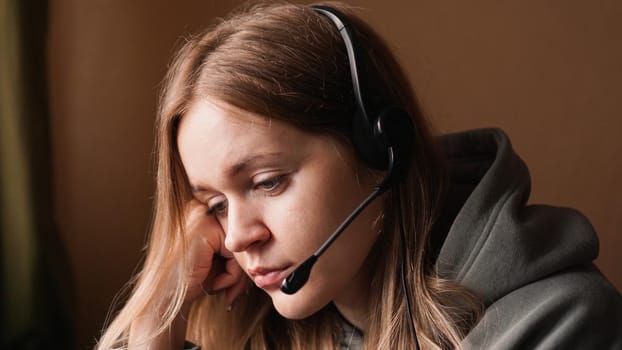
x=242 y=165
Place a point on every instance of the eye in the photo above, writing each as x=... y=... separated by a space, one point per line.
x=218 y=209
x=271 y=185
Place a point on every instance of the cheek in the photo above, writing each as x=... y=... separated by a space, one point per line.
x=312 y=208
x=302 y=217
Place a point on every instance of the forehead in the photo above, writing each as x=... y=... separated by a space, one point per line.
x=213 y=138
x=222 y=127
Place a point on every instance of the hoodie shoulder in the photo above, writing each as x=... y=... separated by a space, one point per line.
x=530 y=265
x=496 y=242
x=573 y=309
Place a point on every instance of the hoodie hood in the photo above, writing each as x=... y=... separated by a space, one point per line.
x=496 y=243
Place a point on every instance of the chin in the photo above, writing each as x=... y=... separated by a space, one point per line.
x=297 y=306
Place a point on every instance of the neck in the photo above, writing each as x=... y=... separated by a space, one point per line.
x=353 y=303
x=355 y=310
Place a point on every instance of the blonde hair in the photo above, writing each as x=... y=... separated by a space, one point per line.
x=256 y=62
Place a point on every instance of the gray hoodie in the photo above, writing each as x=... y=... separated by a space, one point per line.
x=530 y=264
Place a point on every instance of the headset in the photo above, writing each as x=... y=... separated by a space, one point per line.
x=382 y=139
x=375 y=134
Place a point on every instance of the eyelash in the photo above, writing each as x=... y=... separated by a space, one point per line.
x=275 y=182
x=270 y=186
x=219 y=209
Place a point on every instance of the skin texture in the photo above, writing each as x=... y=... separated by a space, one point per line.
x=276 y=193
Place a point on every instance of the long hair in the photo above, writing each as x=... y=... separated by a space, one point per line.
x=287 y=62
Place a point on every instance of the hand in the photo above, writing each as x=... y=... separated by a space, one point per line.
x=213 y=268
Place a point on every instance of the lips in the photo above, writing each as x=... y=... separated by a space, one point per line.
x=268 y=277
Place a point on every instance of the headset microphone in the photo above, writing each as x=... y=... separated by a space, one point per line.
x=292 y=283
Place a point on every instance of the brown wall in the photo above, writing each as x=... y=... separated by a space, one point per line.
x=548 y=73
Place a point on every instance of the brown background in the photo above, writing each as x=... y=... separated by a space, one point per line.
x=547 y=72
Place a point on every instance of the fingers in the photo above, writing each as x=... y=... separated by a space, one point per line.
x=204 y=236
x=232 y=274
x=198 y=224
x=217 y=268
x=236 y=290
x=232 y=280
x=214 y=267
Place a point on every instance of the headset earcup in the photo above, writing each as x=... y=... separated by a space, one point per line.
x=370 y=148
x=396 y=130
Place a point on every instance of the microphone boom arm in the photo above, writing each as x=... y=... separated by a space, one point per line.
x=294 y=281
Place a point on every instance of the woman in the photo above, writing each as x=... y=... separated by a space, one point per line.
x=266 y=144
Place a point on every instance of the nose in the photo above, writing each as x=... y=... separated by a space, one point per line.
x=245 y=227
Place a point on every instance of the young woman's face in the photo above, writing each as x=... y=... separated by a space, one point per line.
x=278 y=193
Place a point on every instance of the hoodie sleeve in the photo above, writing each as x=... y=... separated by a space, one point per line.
x=574 y=309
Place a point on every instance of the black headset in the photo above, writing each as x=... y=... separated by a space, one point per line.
x=375 y=133
x=382 y=139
